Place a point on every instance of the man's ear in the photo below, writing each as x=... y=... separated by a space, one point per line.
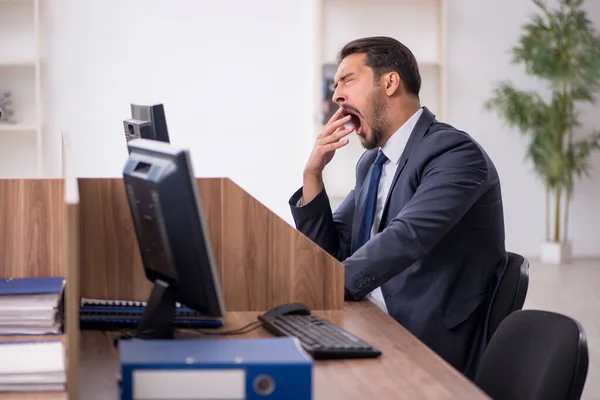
x=392 y=83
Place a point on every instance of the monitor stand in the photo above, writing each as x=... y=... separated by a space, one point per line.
x=158 y=319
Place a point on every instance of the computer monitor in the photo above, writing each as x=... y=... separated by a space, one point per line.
x=147 y=122
x=172 y=236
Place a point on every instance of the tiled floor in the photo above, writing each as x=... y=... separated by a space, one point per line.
x=573 y=290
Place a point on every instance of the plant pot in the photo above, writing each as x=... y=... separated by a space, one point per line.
x=556 y=253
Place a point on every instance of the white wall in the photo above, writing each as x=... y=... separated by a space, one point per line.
x=239 y=92
x=237 y=89
x=480 y=34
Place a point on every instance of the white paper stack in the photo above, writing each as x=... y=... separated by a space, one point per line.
x=31 y=306
x=32 y=366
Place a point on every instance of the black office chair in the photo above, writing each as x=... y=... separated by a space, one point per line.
x=535 y=355
x=511 y=292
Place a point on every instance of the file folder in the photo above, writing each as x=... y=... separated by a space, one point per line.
x=267 y=369
x=31 y=306
x=31 y=366
x=29 y=286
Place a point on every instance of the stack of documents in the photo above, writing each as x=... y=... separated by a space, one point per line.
x=32 y=366
x=31 y=306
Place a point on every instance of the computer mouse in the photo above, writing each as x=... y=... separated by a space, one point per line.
x=288 y=309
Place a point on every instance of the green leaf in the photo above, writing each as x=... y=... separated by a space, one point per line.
x=523 y=110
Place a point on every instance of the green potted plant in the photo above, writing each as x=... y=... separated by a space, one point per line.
x=560 y=47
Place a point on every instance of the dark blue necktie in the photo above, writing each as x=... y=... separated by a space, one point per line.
x=366 y=225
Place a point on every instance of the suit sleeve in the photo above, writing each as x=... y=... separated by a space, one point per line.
x=454 y=176
x=332 y=232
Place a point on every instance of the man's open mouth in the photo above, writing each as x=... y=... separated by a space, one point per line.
x=355 y=119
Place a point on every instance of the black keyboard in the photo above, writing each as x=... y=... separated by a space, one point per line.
x=320 y=338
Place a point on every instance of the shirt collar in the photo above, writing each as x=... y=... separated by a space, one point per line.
x=394 y=147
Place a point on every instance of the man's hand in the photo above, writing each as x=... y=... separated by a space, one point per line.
x=329 y=140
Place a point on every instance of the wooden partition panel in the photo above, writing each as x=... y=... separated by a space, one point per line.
x=31 y=228
x=111 y=266
x=262 y=261
x=33 y=244
x=72 y=298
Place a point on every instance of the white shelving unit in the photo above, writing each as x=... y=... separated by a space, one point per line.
x=21 y=144
x=419 y=24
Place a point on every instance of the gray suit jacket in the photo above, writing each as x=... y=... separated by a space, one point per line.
x=440 y=248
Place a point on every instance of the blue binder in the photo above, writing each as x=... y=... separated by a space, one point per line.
x=124 y=314
x=44 y=295
x=29 y=286
x=267 y=369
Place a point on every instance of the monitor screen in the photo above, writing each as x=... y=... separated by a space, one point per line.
x=172 y=235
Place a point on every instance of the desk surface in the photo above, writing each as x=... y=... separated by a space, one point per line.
x=406 y=370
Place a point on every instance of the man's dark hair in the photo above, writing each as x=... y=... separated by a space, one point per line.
x=385 y=54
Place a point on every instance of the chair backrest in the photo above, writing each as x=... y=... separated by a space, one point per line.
x=511 y=292
x=535 y=355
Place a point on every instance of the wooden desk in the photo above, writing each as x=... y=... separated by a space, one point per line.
x=406 y=370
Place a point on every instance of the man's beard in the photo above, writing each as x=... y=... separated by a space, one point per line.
x=378 y=122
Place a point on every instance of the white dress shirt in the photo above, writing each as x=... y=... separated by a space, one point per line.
x=392 y=149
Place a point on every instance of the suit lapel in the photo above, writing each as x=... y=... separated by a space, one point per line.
x=416 y=135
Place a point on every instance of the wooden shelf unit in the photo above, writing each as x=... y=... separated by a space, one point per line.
x=21 y=144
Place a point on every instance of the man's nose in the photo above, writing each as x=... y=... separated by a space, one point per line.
x=338 y=97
